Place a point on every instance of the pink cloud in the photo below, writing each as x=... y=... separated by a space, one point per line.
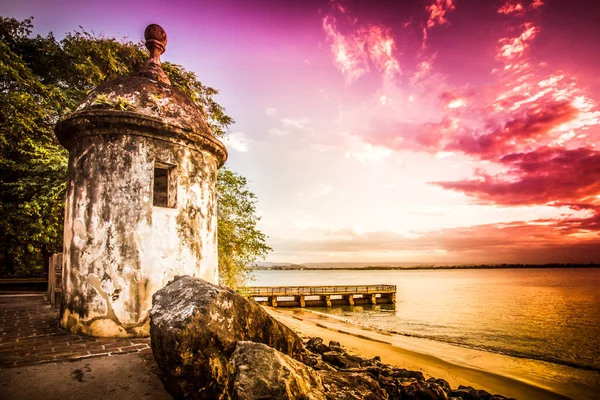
x=429 y=137
x=381 y=46
x=436 y=15
x=511 y=7
x=456 y=99
x=535 y=4
x=437 y=12
x=519 y=8
x=356 y=51
x=512 y=48
x=519 y=132
x=529 y=242
x=361 y=45
x=348 y=51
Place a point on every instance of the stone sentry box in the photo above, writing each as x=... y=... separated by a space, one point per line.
x=141 y=199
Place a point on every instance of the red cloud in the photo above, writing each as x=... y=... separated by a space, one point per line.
x=450 y=134
x=552 y=176
x=535 y=125
x=577 y=225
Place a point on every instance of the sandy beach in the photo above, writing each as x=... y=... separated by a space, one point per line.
x=458 y=366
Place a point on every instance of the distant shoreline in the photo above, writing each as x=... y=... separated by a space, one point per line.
x=299 y=267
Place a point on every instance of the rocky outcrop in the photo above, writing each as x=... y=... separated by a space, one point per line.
x=195 y=327
x=261 y=372
x=211 y=343
x=352 y=372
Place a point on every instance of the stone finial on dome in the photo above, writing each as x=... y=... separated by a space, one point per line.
x=156 y=42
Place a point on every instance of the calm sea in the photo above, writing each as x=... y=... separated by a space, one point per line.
x=547 y=317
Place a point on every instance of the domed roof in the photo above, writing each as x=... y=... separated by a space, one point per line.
x=148 y=98
x=145 y=99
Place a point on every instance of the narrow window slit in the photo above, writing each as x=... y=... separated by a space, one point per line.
x=165 y=189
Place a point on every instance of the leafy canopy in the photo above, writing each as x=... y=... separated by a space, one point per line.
x=41 y=80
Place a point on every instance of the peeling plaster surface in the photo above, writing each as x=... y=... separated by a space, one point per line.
x=118 y=248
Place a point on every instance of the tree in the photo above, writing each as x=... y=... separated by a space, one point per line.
x=240 y=241
x=42 y=80
x=32 y=164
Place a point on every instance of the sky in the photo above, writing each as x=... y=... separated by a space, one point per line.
x=427 y=131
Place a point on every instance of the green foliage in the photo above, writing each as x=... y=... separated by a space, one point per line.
x=42 y=80
x=241 y=243
x=32 y=164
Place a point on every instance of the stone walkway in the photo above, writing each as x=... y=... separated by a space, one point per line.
x=29 y=335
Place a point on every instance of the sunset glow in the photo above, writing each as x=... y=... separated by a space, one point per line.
x=458 y=131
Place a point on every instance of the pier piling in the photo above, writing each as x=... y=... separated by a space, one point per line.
x=350 y=299
x=302 y=301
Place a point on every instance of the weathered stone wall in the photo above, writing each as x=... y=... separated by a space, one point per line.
x=118 y=248
x=55 y=279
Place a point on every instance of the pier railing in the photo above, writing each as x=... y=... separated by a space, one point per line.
x=266 y=291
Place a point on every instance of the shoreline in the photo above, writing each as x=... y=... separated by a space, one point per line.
x=458 y=366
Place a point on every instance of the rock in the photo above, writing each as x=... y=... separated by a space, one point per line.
x=375 y=372
x=351 y=386
x=195 y=327
x=260 y=372
x=464 y=392
x=483 y=395
x=391 y=386
x=342 y=360
x=316 y=345
x=470 y=393
x=435 y=391
x=406 y=374
x=442 y=383
x=335 y=346
x=314 y=361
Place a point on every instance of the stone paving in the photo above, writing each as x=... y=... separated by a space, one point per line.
x=29 y=335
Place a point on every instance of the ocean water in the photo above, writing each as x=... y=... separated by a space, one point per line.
x=549 y=319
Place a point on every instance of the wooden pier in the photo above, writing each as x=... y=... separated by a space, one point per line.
x=320 y=296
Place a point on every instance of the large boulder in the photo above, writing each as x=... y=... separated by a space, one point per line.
x=260 y=372
x=194 y=329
